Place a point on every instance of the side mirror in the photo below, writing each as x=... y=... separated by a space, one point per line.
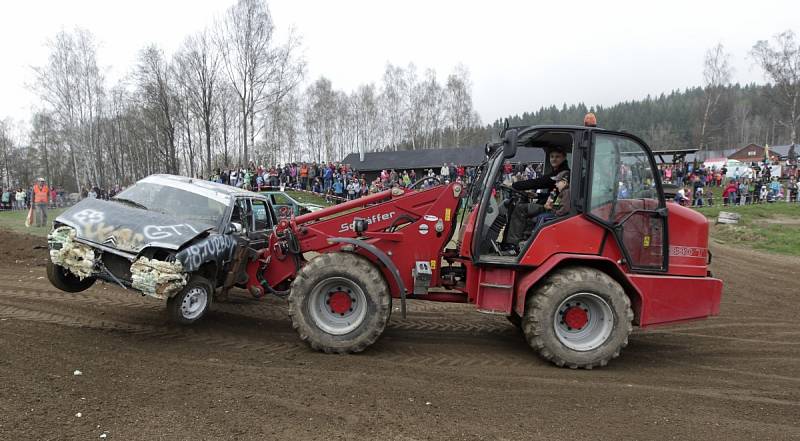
x=234 y=228
x=510 y=144
x=491 y=147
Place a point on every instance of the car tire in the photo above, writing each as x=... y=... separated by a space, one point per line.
x=192 y=303
x=64 y=280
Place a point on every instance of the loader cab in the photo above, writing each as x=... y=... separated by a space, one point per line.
x=613 y=182
x=524 y=154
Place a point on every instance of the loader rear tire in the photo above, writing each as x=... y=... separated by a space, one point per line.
x=579 y=317
x=339 y=303
x=515 y=320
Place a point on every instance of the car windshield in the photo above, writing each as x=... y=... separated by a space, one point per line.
x=173 y=201
x=282 y=199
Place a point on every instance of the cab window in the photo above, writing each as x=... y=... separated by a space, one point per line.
x=621 y=171
x=240 y=214
x=261 y=217
x=624 y=195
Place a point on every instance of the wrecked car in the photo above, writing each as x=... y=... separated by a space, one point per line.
x=168 y=237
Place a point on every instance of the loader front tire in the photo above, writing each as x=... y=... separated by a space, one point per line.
x=339 y=303
x=578 y=317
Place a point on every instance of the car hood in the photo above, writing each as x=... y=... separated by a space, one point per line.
x=119 y=226
x=312 y=207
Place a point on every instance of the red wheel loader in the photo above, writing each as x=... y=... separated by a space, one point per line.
x=618 y=256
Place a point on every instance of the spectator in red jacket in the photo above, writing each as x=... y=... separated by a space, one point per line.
x=729 y=193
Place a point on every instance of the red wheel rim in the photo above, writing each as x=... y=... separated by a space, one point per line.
x=340 y=302
x=576 y=317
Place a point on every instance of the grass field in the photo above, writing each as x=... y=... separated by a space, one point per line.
x=307 y=198
x=15 y=221
x=769 y=227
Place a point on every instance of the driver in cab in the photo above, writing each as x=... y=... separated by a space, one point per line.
x=523 y=212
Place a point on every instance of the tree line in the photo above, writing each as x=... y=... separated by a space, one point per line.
x=234 y=93
x=716 y=116
x=230 y=95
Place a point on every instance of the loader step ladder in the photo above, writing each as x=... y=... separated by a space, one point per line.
x=495 y=290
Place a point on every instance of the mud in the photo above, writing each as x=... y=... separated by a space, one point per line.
x=445 y=372
x=21 y=249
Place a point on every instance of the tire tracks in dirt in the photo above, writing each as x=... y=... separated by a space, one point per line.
x=412 y=342
x=467 y=322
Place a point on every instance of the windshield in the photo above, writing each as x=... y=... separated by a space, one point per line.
x=173 y=201
x=479 y=184
x=281 y=199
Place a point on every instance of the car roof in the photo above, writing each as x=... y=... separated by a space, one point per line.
x=203 y=186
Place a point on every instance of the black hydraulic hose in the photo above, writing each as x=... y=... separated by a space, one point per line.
x=293 y=246
x=266 y=285
x=396 y=222
x=292 y=242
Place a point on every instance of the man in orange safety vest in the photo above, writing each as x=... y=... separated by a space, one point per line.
x=41 y=198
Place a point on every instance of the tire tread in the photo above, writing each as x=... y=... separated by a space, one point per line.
x=538 y=308
x=348 y=265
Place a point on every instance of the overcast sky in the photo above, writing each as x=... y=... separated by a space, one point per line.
x=521 y=55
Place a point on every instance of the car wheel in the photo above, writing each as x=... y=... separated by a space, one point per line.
x=64 y=280
x=192 y=302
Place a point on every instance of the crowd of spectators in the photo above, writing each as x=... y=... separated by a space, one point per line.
x=337 y=181
x=754 y=184
x=20 y=198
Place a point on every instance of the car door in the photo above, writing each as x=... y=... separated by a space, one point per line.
x=283 y=205
x=625 y=195
x=261 y=221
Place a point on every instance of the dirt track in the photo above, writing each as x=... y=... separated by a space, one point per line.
x=446 y=372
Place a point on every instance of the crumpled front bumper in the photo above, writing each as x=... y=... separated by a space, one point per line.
x=152 y=277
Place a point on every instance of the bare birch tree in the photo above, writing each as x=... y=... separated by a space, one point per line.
x=199 y=60
x=433 y=110
x=71 y=85
x=44 y=137
x=261 y=70
x=458 y=103
x=392 y=100
x=5 y=150
x=717 y=73
x=156 y=90
x=781 y=65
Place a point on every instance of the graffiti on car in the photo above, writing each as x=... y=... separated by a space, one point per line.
x=89 y=216
x=156 y=232
x=216 y=248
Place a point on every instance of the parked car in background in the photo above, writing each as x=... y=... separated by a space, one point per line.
x=287 y=206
